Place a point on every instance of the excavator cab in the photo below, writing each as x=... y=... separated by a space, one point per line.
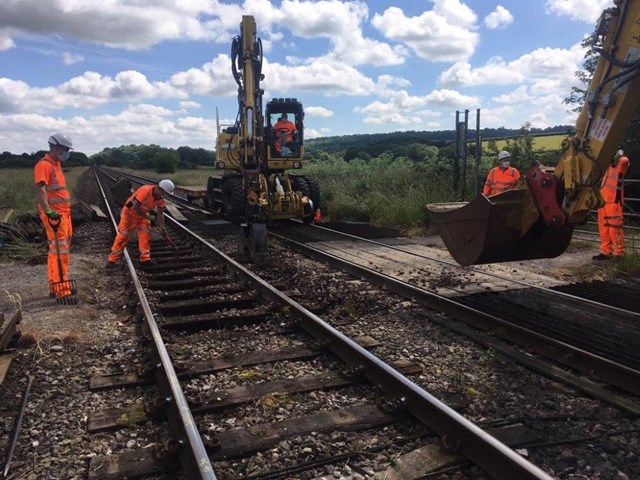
x=285 y=148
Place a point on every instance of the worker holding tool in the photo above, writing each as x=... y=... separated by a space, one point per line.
x=136 y=214
x=54 y=206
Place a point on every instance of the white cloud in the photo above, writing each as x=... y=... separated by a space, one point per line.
x=500 y=17
x=445 y=34
x=554 y=64
x=580 y=10
x=5 y=40
x=317 y=111
x=189 y=105
x=69 y=58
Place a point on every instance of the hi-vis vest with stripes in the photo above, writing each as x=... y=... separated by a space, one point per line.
x=49 y=171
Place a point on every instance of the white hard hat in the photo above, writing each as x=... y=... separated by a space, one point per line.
x=167 y=186
x=503 y=154
x=60 y=139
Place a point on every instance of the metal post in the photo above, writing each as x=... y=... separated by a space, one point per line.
x=478 y=151
x=465 y=152
x=457 y=153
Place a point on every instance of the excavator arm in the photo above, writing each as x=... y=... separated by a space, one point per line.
x=536 y=219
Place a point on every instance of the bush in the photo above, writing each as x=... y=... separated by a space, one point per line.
x=166 y=161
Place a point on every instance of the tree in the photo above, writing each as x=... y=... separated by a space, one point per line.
x=631 y=138
x=166 y=161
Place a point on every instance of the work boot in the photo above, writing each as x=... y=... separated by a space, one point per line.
x=110 y=265
x=149 y=263
x=601 y=256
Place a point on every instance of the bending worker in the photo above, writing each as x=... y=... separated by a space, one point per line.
x=136 y=214
x=501 y=178
x=54 y=205
x=610 y=218
x=284 y=130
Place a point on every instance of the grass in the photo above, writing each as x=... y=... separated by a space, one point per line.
x=17 y=192
x=544 y=142
x=188 y=178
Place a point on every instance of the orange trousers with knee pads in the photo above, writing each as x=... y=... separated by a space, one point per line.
x=610 y=221
x=63 y=234
x=130 y=222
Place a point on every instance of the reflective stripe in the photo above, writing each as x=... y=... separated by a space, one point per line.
x=59 y=200
x=144 y=229
x=124 y=232
x=142 y=252
x=55 y=188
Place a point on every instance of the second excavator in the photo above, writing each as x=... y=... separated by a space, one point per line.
x=536 y=219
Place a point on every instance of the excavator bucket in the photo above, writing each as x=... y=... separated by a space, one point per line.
x=500 y=228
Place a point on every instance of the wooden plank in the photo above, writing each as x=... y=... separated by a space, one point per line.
x=431 y=458
x=192 y=369
x=175 y=213
x=243 y=441
x=97 y=212
x=5 y=362
x=216 y=320
x=9 y=329
x=214 y=401
x=5 y=214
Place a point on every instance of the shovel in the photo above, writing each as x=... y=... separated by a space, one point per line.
x=63 y=290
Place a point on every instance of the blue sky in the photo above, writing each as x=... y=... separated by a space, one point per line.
x=153 y=71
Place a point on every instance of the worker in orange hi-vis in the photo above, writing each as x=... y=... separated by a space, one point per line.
x=136 y=215
x=610 y=218
x=501 y=178
x=54 y=206
x=284 y=132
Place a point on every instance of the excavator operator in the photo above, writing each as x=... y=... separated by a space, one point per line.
x=284 y=132
x=501 y=178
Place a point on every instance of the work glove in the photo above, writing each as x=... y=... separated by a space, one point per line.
x=152 y=218
x=52 y=214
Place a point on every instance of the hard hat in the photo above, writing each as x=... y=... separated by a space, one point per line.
x=60 y=139
x=503 y=154
x=167 y=186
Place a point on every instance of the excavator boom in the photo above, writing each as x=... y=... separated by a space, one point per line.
x=536 y=219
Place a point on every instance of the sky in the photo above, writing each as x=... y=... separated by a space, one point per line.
x=120 y=72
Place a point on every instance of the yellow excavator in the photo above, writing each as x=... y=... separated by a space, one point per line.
x=254 y=187
x=536 y=219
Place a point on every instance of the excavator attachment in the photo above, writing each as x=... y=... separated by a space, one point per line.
x=500 y=228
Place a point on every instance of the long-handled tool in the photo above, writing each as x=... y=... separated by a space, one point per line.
x=166 y=236
x=63 y=290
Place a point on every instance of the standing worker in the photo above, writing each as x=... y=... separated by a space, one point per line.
x=284 y=130
x=610 y=218
x=54 y=205
x=136 y=214
x=501 y=178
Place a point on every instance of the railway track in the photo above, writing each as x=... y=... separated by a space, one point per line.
x=184 y=289
x=191 y=320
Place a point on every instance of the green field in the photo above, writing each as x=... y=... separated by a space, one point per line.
x=16 y=187
x=191 y=178
x=543 y=142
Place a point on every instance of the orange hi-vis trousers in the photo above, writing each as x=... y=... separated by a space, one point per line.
x=610 y=221
x=130 y=222
x=65 y=230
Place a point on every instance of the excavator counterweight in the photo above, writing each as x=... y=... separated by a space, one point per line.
x=536 y=219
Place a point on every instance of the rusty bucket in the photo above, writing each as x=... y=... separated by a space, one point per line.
x=501 y=228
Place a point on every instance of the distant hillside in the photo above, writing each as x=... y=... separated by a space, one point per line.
x=377 y=143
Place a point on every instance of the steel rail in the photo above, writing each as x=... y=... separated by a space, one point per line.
x=193 y=455
x=623 y=377
x=481 y=272
x=457 y=432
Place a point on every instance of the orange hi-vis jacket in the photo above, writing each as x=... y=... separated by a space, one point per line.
x=500 y=180
x=49 y=172
x=131 y=221
x=146 y=202
x=612 y=187
x=284 y=129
